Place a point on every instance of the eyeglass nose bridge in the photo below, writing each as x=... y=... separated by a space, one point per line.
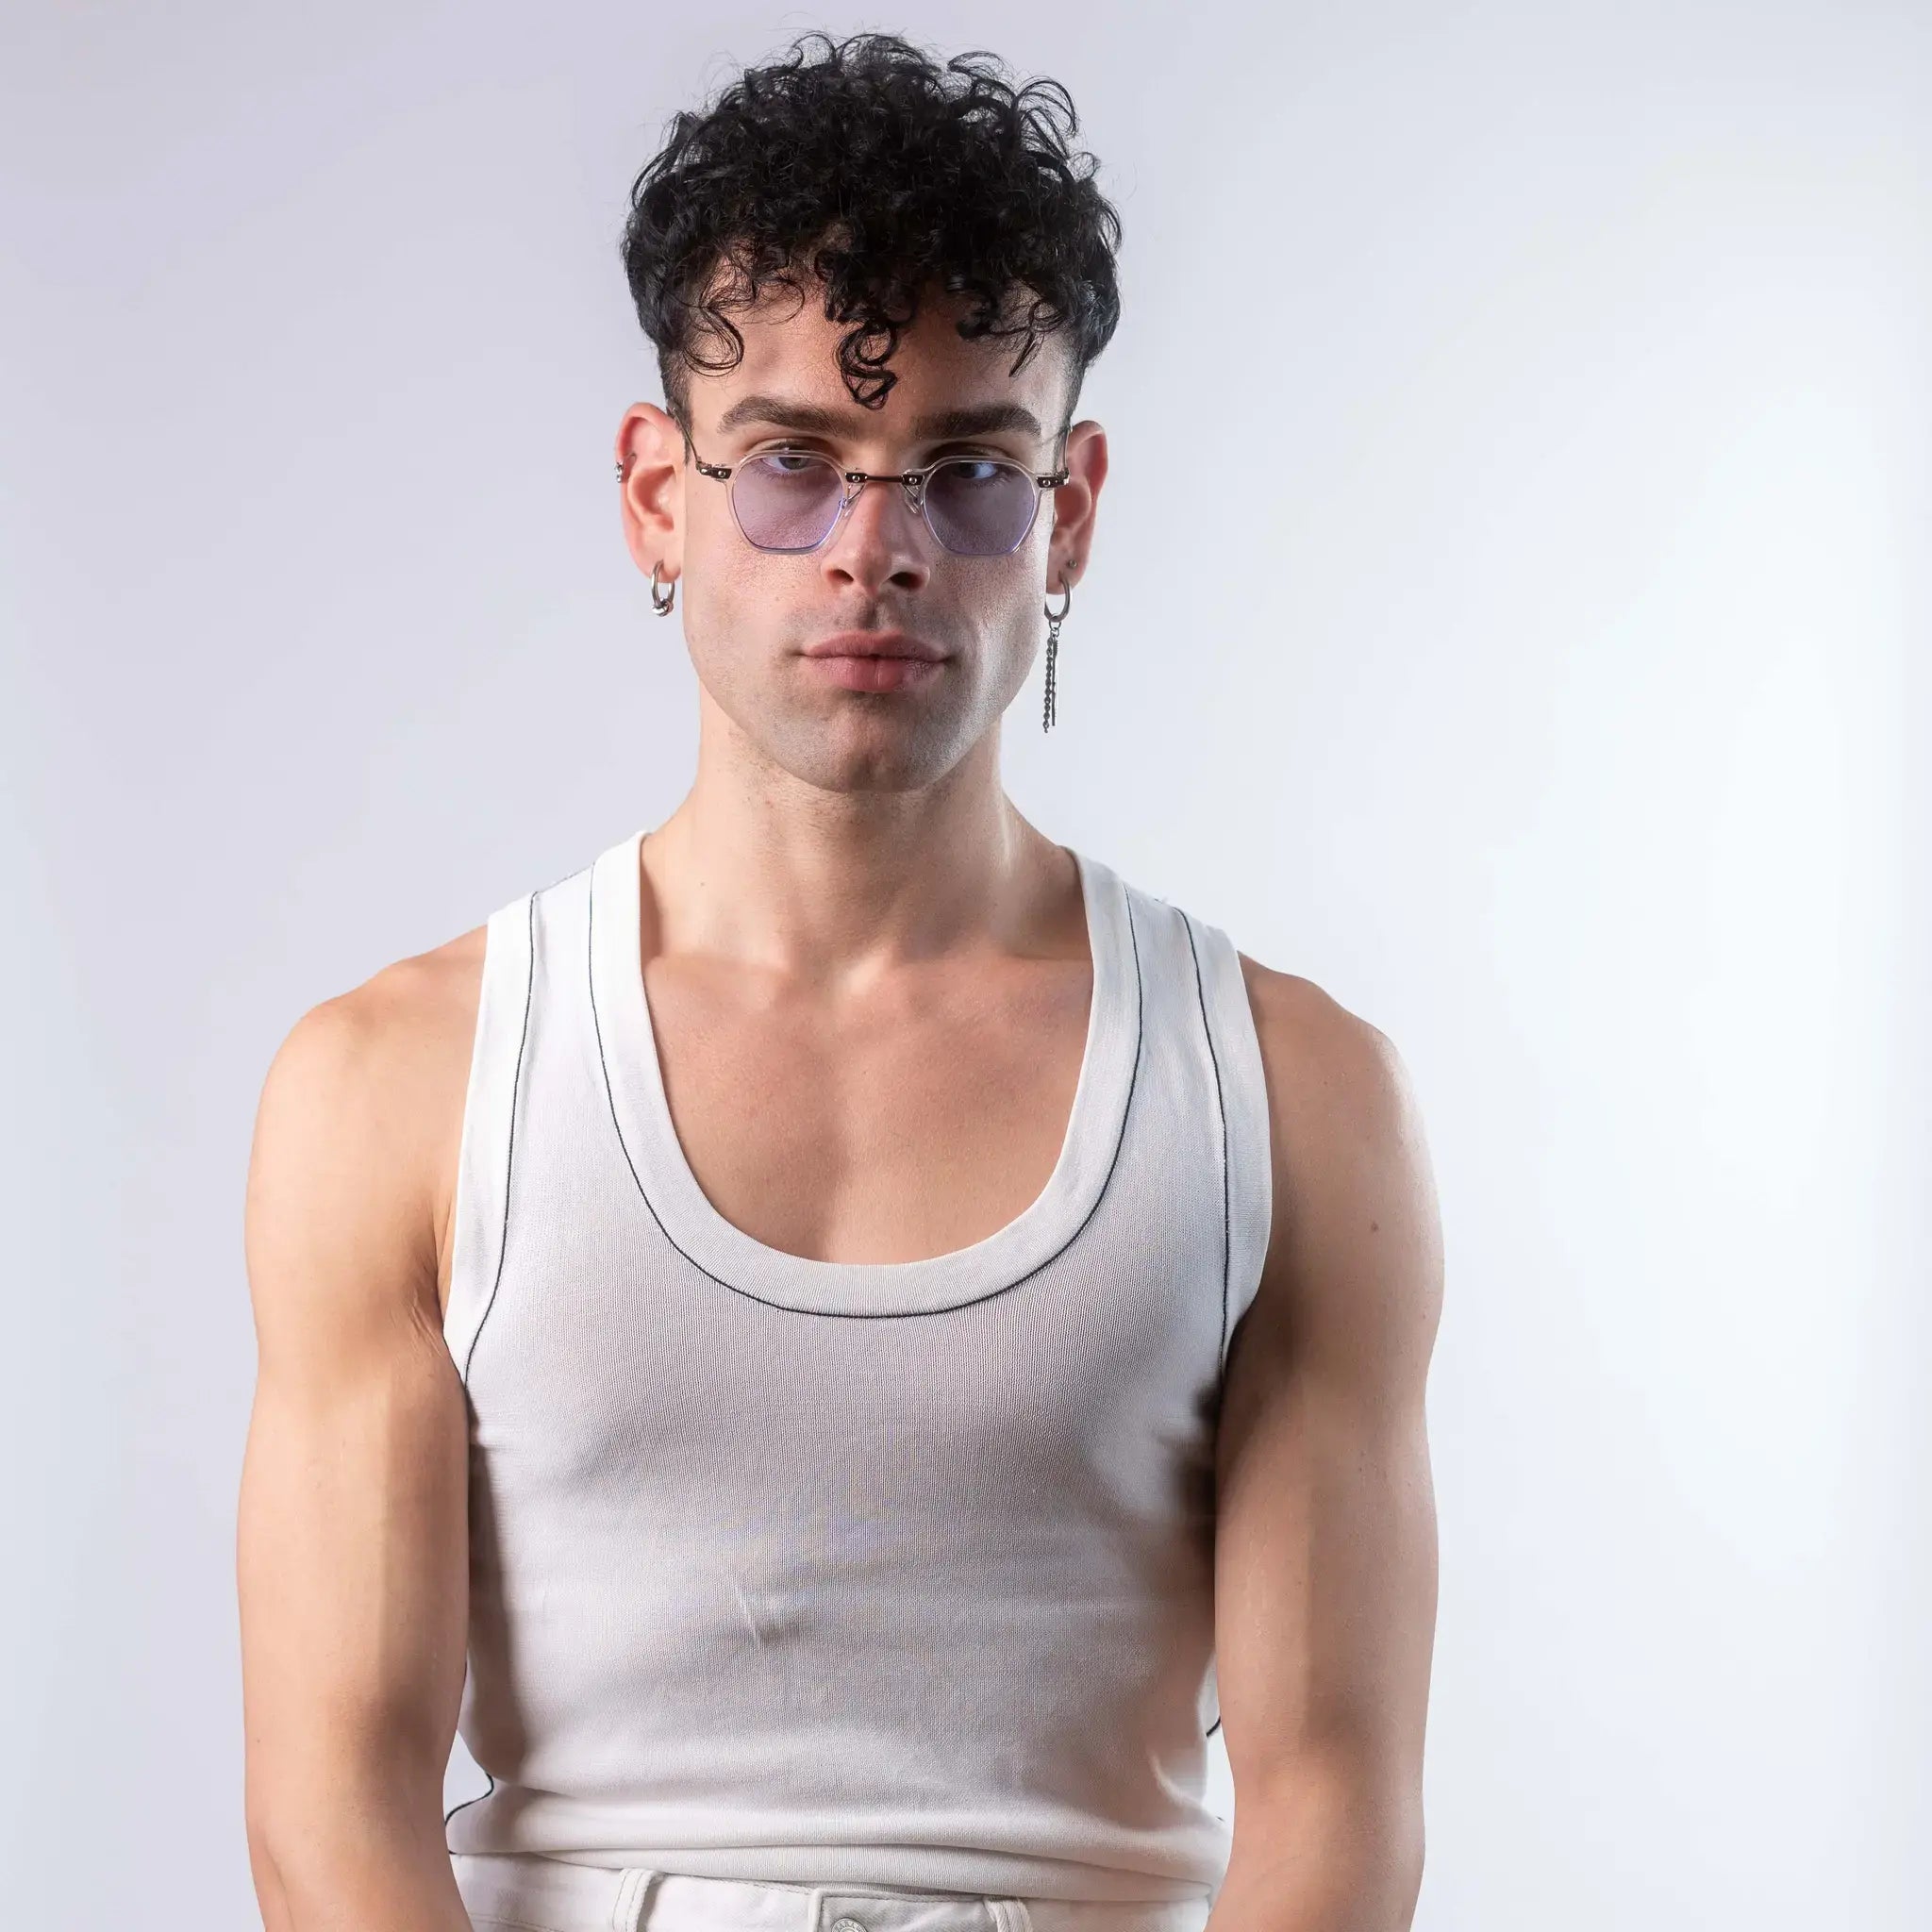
x=853 y=484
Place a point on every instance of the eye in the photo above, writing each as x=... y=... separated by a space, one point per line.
x=970 y=470
x=786 y=462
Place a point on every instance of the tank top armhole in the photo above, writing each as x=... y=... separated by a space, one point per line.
x=1241 y=1086
x=481 y=1217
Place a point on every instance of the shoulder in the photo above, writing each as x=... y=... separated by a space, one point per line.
x=1353 y=1247
x=1328 y=1062
x=388 y=1044
x=360 y=1115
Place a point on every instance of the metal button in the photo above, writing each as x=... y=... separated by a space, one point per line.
x=847 y=1925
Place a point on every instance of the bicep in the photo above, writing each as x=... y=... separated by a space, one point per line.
x=352 y=1533
x=1325 y=1534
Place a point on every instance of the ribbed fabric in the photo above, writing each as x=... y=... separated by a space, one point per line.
x=887 y=1572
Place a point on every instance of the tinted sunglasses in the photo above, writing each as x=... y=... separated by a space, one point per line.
x=791 y=499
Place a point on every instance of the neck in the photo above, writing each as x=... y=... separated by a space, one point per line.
x=835 y=887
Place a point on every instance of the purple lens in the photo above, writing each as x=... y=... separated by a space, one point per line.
x=980 y=507
x=786 y=499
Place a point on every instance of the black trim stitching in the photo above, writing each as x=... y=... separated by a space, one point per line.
x=468 y=1802
x=877 y=1314
x=1226 y=1237
x=1221 y=1108
x=511 y=1146
x=503 y=1245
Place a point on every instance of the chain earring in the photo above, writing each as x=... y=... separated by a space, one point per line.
x=1052 y=645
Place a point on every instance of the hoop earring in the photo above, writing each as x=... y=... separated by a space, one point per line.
x=663 y=610
x=1053 y=645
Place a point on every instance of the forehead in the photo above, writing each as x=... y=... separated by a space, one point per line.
x=946 y=385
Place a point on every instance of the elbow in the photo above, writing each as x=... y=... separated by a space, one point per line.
x=1338 y=1854
x=352 y=1854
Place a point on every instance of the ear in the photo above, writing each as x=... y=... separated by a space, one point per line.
x=650 y=454
x=1073 y=505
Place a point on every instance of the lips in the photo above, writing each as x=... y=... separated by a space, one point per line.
x=874 y=643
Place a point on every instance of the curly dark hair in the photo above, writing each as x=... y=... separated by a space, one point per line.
x=875 y=172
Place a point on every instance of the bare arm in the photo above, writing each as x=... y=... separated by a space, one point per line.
x=1325 y=1568
x=350 y=1550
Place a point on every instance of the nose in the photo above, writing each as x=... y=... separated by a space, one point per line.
x=881 y=539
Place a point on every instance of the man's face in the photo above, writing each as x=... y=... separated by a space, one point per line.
x=750 y=615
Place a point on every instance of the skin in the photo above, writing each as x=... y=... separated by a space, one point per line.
x=864 y=967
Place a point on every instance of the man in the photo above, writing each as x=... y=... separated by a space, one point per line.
x=841 y=1338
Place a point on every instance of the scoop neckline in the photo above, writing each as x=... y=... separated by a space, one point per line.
x=627 y=1050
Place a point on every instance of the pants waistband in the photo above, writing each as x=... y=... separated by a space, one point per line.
x=527 y=1892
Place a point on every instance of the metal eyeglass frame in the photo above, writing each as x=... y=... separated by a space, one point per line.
x=914 y=482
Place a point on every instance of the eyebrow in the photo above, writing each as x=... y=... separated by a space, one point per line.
x=972 y=418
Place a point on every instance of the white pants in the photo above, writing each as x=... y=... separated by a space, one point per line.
x=524 y=1893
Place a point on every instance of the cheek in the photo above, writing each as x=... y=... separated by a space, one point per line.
x=1024 y=608
x=739 y=594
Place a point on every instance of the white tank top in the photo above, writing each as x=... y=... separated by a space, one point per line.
x=898 y=1573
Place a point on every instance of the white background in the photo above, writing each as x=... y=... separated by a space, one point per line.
x=1508 y=610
